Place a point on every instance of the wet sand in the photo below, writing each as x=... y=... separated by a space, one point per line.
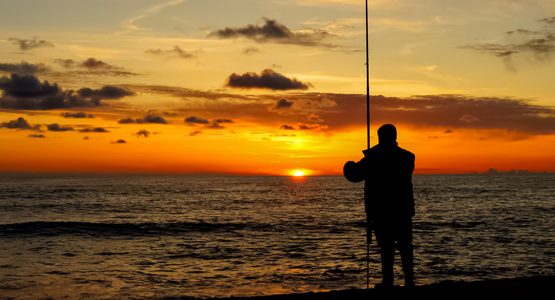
x=542 y=287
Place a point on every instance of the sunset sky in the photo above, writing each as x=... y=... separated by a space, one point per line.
x=271 y=86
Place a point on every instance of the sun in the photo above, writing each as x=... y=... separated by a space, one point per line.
x=298 y=173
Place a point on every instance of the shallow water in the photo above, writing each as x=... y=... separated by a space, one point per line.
x=144 y=236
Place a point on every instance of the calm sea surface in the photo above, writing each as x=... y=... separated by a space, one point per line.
x=145 y=236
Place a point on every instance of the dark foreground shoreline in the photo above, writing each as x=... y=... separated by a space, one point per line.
x=541 y=287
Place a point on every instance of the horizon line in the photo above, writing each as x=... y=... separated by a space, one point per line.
x=125 y=173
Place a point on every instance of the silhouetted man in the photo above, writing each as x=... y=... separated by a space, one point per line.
x=389 y=201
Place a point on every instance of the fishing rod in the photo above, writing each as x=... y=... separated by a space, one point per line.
x=367 y=142
x=367 y=84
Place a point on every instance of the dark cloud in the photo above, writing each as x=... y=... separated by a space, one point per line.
x=24 y=68
x=92 y=66
x=154 y=119
x=267 y=79
x=77 y=115
x=522 y=31
x=217 y=123
x=273 y=31
x=250 y=50
x=537 y=44
x=127 y=121
x=66 y=63
x=120 y=141
x=92 y=63
x=143 y=133
x=284 y=103
x=176 y=51
x=28 y=86
x=36 y=136
x=304 y=126
x=195 y=133
x=221 y=121
x=105 y=92
x=196 y=120
x=94 y=130
x=19 y=124
x=503 y=51
x=185 y=93
x=214 y=124
x=148 y=119
x=58 y=128
x=28 y=92
x=33 y=43
x=440 y=111
x=451 y=111
x=342 y=111
x=550 y=20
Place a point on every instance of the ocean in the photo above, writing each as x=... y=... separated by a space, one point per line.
x=104 y=237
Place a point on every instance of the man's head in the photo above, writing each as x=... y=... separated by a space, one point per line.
x=387 y=134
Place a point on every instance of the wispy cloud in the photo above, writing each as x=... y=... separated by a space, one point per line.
x=305 y=126
x=30 y=44
x=77 y=115
x=176 y=51
x=67 y=68
x=92 y=67
x=250 y=51
x=538 y=44
x=132 y=24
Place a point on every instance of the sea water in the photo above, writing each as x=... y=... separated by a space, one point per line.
x=205 y=236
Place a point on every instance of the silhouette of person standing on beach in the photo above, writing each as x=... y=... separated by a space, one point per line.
x=389 y=202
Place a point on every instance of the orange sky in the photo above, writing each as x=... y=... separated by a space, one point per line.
x=273 y=86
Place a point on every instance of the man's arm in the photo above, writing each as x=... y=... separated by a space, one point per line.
x=411 y=192
x=355 y=171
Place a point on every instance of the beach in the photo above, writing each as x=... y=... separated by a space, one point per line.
x=517 y=288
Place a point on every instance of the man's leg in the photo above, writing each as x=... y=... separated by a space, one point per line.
x=387 y=251
x=406 y=250
x=386 y=243
x=408 y=264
